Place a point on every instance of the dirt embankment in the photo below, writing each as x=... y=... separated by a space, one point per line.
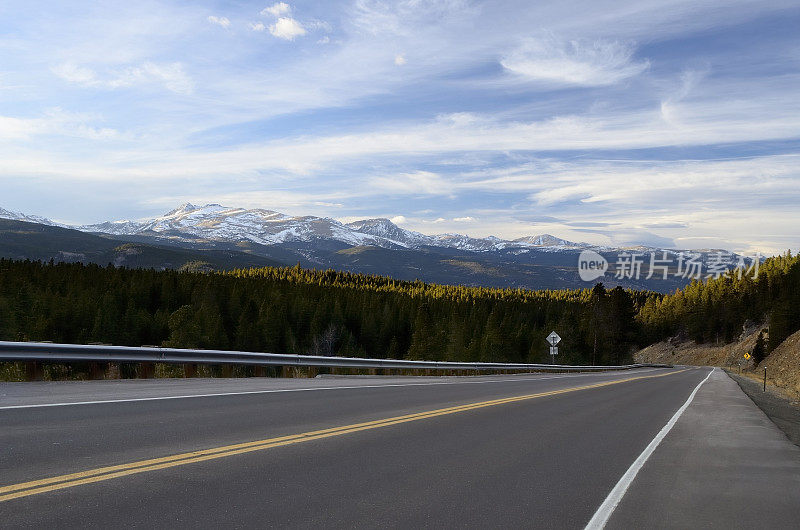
x=681 y=351
x=783 y=364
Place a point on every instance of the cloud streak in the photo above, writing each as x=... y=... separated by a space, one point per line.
x=219 y=21
x=170 y=75
x=575 y=62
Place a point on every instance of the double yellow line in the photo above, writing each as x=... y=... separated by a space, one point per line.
x=24 y=489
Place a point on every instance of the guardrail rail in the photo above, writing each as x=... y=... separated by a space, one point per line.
x=45 y=352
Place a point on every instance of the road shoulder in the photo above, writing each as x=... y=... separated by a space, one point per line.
x=782 y=411
x=723 y=465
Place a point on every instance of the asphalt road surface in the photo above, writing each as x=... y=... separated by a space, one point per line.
x=535 y=451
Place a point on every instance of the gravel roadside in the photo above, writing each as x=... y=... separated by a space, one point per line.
x=784 y=412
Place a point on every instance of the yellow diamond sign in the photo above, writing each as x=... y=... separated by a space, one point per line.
x=747 y=356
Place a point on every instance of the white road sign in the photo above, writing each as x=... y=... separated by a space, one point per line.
x=553 y=338
x=553 y=350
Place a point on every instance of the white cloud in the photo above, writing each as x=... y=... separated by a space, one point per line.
x=399 y=219
x=170 y=75
x=407 y=17
x=595 y=63
x=55 y=121
x=75 y=74
x=220 y=21
x=75 y=124
x=287 y=28
x=15 y=128
x=688 y=81
x=400 y=59
x=467 y=219
x=317 y=25
x=418 y=182
x=257 y=26
x=277 y=9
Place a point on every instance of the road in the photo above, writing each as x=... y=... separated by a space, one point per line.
x=544 y=451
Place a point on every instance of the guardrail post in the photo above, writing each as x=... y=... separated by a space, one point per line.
x=190 y=370
x=286 y=371
x=34 y=371
x=147 y=370
x=97 y=370
x=226 y=370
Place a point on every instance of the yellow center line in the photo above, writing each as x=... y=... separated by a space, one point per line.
x=24 y=489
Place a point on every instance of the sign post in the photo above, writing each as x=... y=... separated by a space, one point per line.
x=553 y=339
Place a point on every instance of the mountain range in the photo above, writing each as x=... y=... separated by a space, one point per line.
x=267 y=227
x=225 y=237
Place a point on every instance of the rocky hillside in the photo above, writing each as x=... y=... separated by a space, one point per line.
x=783 y=364
x=680 y=350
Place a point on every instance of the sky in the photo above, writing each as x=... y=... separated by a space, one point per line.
x=673 y=123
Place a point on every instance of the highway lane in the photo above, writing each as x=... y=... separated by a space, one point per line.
x=55 y=438
x=546 y=461
x=64 y=392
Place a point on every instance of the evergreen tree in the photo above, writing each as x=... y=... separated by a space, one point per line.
x=760 y=349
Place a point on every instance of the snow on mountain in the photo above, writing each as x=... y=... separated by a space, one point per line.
x=17 y=216
x=190 y=222
x=386 y=229
x=473 y=244
x=265 y=227
x=546 y=240
x=125 y=228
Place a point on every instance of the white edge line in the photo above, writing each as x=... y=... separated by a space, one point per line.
x=603 y=513
x=279 y=390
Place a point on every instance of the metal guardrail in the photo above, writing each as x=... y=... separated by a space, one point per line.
x=46 y=352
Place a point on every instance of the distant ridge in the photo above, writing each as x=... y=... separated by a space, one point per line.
x=17 y=216
x=268 y=227
x=238 y=237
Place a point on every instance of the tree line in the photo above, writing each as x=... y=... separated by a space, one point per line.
x=295 y=310
x=312 y=312
x=716 y=310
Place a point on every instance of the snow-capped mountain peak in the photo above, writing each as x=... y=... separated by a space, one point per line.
x=546 y=240
x=216 y=222
x=386 y=229
x=18 y=216
x=268 y=227
x=222 y=223
x=183 y=208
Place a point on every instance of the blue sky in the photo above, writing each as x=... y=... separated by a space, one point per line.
x=663 y=122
